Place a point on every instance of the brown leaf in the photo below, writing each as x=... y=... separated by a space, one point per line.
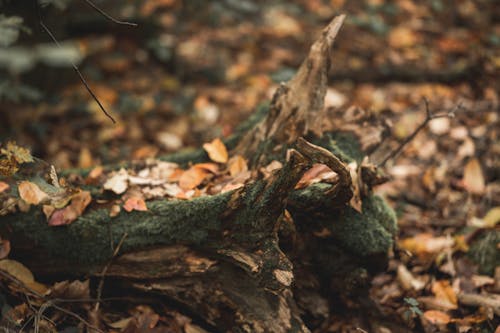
x=70 y=213
x=473 y=177
x=31 y=193
x=437 y=317
x=71 y=290
x=135 y=203
x=312 y=175
x=216 y=150
x=192 y=177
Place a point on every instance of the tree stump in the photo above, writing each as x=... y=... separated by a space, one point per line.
x=260 y=258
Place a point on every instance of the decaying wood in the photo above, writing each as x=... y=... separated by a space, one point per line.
x=297 y=106
x=247 y=260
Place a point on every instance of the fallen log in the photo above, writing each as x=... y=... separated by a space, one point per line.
x=259 y=258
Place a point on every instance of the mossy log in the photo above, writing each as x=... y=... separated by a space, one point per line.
x=262 y=258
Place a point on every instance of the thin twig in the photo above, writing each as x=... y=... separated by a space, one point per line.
x=429 y=116
x=80 y=75
x=105 y=270
x=109 y=17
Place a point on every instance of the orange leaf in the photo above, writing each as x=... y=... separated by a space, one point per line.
x=216 y=150
x=423 y=244
x=31 y=193
x=473 y=177
x=192 y=178
x=135 y=203
x=212 y=167
x=445 y=293
x=401 y=37
x=3 y=187
x=437 y=317
x=237 y=164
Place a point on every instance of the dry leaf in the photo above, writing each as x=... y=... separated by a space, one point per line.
x=48 y=210
x=85 y=158
x=192 y=177
x=216 y=150
x=407 y=280
x=118 y=182
x=443 y=291
x=423 y=244
x=121 y=324
x=212 y=167
x=71 y=290
x=31 y=193
x=356 y=200
x=3 y=186
x=70 y=213
x=236 y=165
x=270 y=168
x=22 y=273
x=437 y=317
x=4 y=248
x=19 y=154
x=473 y=177
x=492 y=217
x=114 y=210
x=95 y=172
x=135 y=203
x=401 y=37
x=312 y=175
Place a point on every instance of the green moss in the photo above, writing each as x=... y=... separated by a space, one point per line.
x=484 y=252
x=367 y=233
x=87 y=240
x=377 y=208
x=343 y=145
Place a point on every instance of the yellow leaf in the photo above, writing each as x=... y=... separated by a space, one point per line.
x=216 y=150
x=20 y=154
x=31 y=193
x=437 y=317
x=492 y=218
x=473 y=177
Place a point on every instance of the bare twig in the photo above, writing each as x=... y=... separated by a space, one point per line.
x=429 y=116
x=105 y=270
x=109 y=17
x=80 y=75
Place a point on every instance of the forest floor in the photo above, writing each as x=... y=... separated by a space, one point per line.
x=196 y=74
